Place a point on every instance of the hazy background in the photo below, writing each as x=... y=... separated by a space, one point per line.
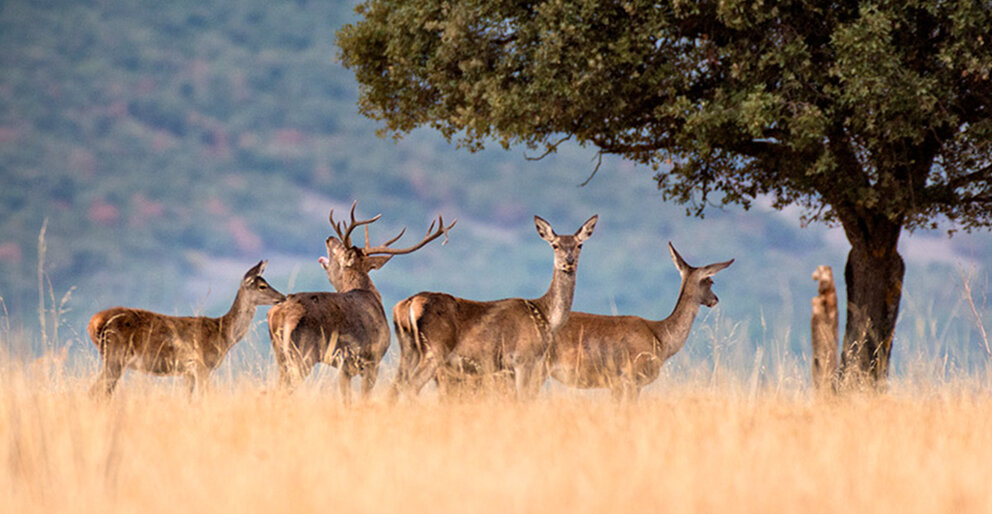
x=171 y=145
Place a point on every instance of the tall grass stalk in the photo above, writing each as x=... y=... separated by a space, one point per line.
x=969 y=297
x=42 y=248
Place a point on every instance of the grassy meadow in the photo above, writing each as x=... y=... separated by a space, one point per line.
x=707 y=443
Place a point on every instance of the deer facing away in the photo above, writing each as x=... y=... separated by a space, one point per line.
x=191 y=346
x=625 y=353
x=441 y=335
x=346 y=329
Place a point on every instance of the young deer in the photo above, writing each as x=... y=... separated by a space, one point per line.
x=347 y=329
x=190 y=346
x=625 y=353
x=823 y=325
x=440 y=334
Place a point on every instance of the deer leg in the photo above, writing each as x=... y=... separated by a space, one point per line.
x=191 y=384
x=113 y=367
x=426 y=371
x=408 y=360
x=452 y=380
x=369 y=374
x=344 y=385
x=286 y=379
x=107 y=379
x=290 y=367
x=294 y=363
x=633 y=393
x=624 y=387
x=527 y=380
x=197 y=378
x=616 y=392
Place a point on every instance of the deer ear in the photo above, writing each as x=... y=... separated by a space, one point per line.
x=680 y=263
x=586 y=229
x=331 y=243
x=257 y=270
x=377 y=261
x=544 y=229
x=712 y=269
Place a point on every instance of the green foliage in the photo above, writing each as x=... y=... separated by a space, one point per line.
x=845 y=109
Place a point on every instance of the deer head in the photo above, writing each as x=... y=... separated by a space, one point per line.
x=824 y=277
x=566 y=247
x=347 y=266
x=256 y=289
x=696 y=282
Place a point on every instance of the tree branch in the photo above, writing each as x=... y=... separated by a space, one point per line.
x=599 y=162
x=551 y=149
x=964 y=180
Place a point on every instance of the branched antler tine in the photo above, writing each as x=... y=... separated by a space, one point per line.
x=432 y=234
x=355 y=224
x=395 y=239
x=346 y=239
x=336 y=225
x=445 y=229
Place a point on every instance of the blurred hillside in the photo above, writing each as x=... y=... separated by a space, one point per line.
x=171 y=145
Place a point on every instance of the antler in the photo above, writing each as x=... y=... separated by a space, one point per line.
x=431 y=235
x=345 y=235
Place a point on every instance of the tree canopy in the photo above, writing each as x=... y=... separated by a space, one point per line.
x=875 y=115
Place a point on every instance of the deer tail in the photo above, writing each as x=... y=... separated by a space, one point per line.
x=97 y=329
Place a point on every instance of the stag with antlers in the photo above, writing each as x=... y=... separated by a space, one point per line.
x=346 y=329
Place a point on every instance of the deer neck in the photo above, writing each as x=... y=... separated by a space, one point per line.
x=355 y=280
x=234 y=325
x=556 y=304
x=673 y=331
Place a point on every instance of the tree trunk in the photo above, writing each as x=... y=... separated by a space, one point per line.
x=873 y=276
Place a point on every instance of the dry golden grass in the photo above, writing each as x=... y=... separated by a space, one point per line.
x=712 y=448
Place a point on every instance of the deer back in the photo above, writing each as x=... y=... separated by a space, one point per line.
x=154 y=342
x=314 y=320
x=591 y=349
x=595 y=350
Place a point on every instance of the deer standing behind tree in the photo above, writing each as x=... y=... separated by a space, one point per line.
x=455 y=340
x=190 y=346
x=625 y=353
x=823 y=325
x=346 y=329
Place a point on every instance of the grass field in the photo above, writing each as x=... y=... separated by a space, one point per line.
x=703 y=446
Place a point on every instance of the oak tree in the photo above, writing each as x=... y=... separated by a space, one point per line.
x=873 y=115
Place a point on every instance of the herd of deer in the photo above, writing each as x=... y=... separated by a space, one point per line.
x=458 y=343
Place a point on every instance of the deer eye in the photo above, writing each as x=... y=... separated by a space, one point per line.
x=554 y=245
x=579 y=246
